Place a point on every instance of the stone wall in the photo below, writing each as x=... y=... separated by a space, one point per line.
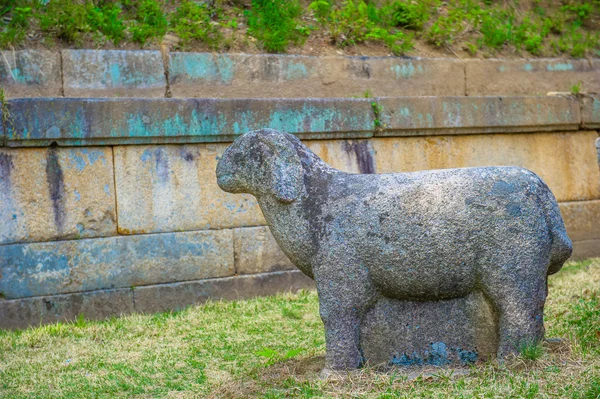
x=110 y=205
x=116 y=73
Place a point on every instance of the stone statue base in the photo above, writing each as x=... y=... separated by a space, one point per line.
x=450 y=332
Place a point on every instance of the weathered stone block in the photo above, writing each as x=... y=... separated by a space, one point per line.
x=530 y=77
x=455 y=331
x=30 y=73
x=174 y=188
x=586 y=249
x=292 y=76
x=113 y=73
x=466 y=115
x=582 y=219
x=353 y=156
x=256 y=251
x=97 y=305
x=56 y=193
x=161 y=298
x=116 y=262
x=565 y=161
x=590 y=111
x=40 y=122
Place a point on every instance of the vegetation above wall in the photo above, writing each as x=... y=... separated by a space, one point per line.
x=482 y=28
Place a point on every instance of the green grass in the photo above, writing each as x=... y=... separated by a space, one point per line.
x=274 y=347
x=477 y=27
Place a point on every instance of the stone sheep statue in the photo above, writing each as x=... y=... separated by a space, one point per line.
x=420 y=236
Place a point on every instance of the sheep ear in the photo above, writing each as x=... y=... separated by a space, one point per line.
x=285 y=170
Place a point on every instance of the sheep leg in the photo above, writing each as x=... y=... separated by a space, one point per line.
x=345 y=293
x=519 y=302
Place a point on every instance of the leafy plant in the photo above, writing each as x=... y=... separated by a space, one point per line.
x=192 y=21
x=150 y=22
x=411 y=15
x=66 y=20
x=275 y=24
x=274 y=356
x=576 y=88
x=107 y=21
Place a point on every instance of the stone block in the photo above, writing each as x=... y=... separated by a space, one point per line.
x=292 y=76
x=586 y=249
x=535 y=77
x=40 y=122
x=116 y=262
x=161 y=298
x=466 y=115
x=174 y=188
x=96 y=305
x=256 y=251
x=456 y=331
x=113 y=73
x=565 y=161
x=56 y=193
x=582 y=219
x=30 y=73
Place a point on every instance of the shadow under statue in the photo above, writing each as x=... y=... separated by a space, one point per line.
x=433 y=267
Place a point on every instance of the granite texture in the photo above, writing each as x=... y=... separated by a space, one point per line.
x=423 y=236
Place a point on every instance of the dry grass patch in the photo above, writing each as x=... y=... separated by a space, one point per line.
x=274 y=348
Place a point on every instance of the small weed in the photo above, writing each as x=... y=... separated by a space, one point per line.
x=576 y=88
x=377 y=110
x=6 y=120
x=531 y=351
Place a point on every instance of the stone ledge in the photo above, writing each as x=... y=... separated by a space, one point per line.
x=117 y=262
x=96 y=305
x=464 y=115
x=113 y=73
x=296 y=76
x=160 y=298
x=76 y=122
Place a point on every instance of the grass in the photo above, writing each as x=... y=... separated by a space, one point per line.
x=475 y=27
x=273 y=348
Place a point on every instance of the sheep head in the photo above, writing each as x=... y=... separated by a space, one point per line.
x=262 y=162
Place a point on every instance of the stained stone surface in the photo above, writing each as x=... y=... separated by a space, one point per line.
x=420 y=239
x=404 y=333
